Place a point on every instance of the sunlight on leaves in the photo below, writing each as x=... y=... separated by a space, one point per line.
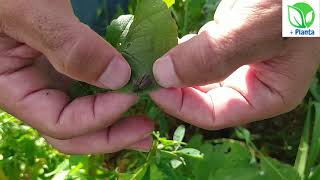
x=169 y=2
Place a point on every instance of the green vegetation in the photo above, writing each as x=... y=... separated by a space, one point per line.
x=143 y=39
x=264 y=150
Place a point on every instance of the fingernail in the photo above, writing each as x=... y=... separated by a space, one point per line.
x=116 y=75
x=164 y=72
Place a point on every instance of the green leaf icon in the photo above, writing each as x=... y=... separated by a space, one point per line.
x=296 y=17
x=310 y=18
x=301 y=15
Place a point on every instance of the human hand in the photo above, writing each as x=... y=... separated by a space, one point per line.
x=238 y=69
x=42 y=47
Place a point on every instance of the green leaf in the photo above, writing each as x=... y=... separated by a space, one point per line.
x=147 y=175
x=76 y=159
x=118 y=30
x=228 y=159
x=175 y=163
x=309 y=17
x=142 y=39
x=164 y=171
x=60 y=168
x=157 y=173
x=196 y=141
x=243 y=134
x=274 y=169
x=61 y=175
x=141 y=172
x=179 y=133
x=190 y=152
x=152 y=33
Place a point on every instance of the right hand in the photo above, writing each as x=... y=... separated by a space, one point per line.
x=238 y=69
x=43 y=46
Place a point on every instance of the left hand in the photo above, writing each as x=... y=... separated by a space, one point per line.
x=42 y=51
x=238 y=69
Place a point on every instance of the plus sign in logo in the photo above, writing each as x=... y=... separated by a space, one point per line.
x=301 y=19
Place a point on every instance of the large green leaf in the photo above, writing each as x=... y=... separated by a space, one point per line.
x=273 y=169
x=118 y=30
x=152 y=33
x=229 y=159
x=142 y=39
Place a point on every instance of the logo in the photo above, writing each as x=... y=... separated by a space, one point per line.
x=301 y=18
x=301 y=15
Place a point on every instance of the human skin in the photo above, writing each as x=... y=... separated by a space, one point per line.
x=238 y=69
x=41 y=50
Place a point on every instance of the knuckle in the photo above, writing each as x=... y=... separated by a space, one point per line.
x=81 y=60
x=205 y=62
x=209 y=42
x=212 y=57
x=80 y=55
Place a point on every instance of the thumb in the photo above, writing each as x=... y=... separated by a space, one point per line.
x=216 y=52
x=71 y=47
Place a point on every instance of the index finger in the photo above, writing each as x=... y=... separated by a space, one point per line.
x=29 y=94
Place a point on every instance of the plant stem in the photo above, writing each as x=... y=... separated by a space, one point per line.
x=302 y=156
x=186 y=19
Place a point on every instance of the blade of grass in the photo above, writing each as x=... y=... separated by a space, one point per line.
x=315 y=175
x=302 y=156
x=315 y=141
x=315 y=89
